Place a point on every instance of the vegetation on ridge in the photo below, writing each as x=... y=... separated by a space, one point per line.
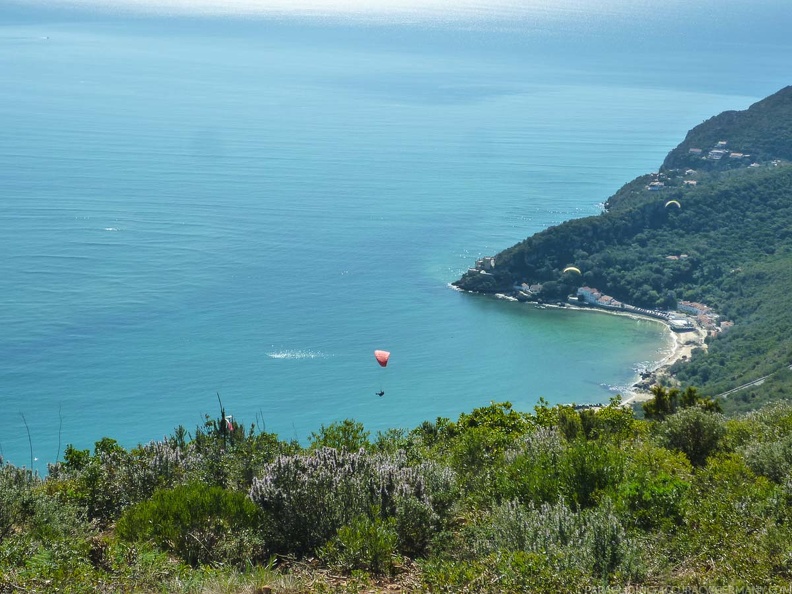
x=763 y=131
x=556 y=500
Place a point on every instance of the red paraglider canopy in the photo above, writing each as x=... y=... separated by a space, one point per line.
x=382 y=357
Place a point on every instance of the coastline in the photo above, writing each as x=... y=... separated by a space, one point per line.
x=681 y=350
x=683 y=344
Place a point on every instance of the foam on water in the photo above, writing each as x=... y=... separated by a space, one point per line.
x=296 y=354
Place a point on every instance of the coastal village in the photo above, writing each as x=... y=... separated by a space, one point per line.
x=691 y=323
x=688 y=317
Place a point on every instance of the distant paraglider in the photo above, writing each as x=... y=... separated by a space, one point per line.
x=674 y=202
x=382 y=357
x=572 y=269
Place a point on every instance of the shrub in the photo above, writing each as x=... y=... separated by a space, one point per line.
x=531 y=470
x=591 y=543
x=653 y=501
x=569 y=423
x=415 y=522
x=587 y=469
x=476 y=444
x=516 y=571
x=96 y=483
x=140 y=567
x=15 y=496
x=614 y=421
x=735 y=526
x=475 y=453
x=668 y=402
x=200 y=524
x=345 y=435
x=773 y=420
x=232 y=461
x=514 y=527
x=60 y=565
x=392 y=440
x=771 y=459
x=26 y=506
x=368 y=543
x=694 y=432
x=307 y=498
x=112 y=479
x=502 y=424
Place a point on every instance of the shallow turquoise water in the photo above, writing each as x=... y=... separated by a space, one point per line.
x=252 y=207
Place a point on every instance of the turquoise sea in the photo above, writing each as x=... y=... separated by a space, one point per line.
x=251 y=204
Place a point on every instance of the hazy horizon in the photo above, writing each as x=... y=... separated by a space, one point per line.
x=644 y=14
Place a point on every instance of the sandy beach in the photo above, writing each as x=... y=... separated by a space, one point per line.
x=683 y=344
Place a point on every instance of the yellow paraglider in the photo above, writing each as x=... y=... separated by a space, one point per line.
x=572 y=269
x=670 y=202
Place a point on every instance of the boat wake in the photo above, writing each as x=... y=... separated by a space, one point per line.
x=296 y=354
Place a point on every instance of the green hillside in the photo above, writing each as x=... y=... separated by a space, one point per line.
x=721 y=236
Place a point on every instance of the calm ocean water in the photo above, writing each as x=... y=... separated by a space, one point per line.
x=250 y=207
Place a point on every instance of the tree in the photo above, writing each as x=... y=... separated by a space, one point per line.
x=667 y=402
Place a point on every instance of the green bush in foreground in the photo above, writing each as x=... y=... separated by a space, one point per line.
x=735 y=529
x=200 y=524
x=694 y=432
x=15 y=494
x=594 y=542
x=366 y=543
x=307 y=499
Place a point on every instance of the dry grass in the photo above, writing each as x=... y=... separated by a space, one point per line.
x=308 y=577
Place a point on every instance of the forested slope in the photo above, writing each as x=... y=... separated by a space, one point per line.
x=763 y=131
